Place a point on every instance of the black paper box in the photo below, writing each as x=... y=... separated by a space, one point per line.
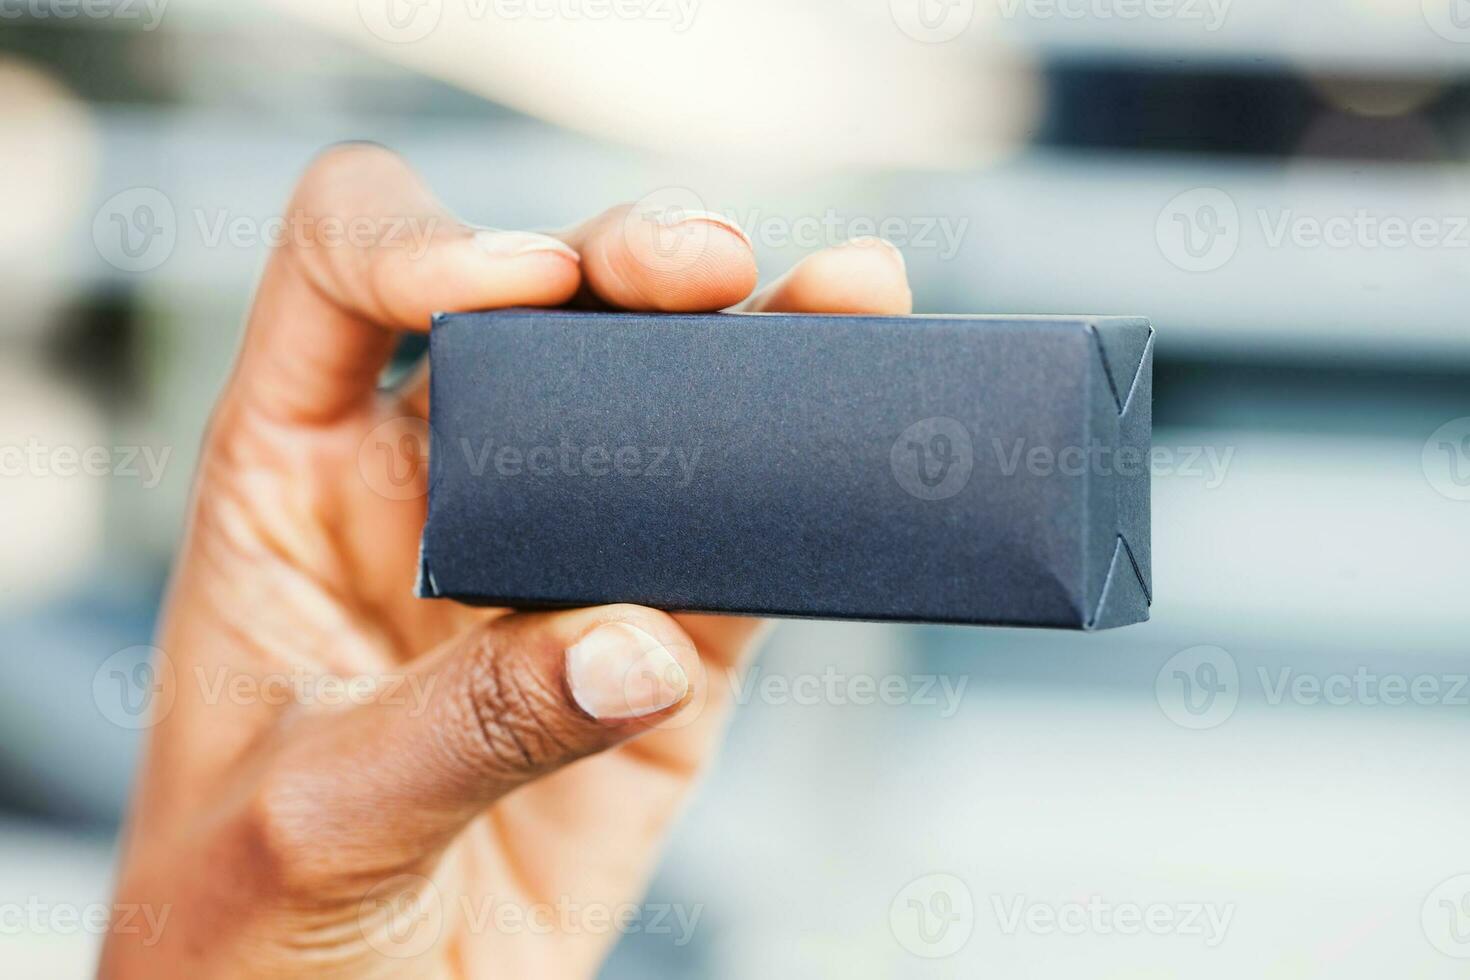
x=954 y=469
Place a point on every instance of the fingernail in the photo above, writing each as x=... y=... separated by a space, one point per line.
x=680 y=216
x=619 y=671
x=872 y=241
x=505 y=244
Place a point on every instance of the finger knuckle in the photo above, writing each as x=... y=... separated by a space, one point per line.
x=523 y=724
x=346 y=162
x=281 y=838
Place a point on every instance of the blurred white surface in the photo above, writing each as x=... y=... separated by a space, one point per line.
x=56 y=880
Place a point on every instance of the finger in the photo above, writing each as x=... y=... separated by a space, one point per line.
x=513 y=700
x=863 y=276
x=669 y=260
x=368 y=251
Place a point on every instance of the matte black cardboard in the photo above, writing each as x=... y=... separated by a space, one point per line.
x=983 y=469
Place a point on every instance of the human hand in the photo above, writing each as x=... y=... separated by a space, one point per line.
x=299 y=838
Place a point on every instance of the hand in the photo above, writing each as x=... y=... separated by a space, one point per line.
x=285 y=835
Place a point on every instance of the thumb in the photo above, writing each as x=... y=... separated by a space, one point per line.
x=388 y=784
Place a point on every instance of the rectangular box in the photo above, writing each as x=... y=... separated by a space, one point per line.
x=955 y=469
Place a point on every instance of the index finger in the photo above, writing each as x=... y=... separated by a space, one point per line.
x=368 y=252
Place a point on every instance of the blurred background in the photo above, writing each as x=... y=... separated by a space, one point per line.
x=1282 y=186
